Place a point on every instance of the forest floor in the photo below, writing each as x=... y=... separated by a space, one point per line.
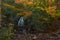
x=40 y=36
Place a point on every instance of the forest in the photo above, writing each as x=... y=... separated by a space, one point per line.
x=39 y=16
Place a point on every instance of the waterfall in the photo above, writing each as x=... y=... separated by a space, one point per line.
x=21 y=22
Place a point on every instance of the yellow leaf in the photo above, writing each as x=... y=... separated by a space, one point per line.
x=30 y=3
x=10 y=6
x=51 y=9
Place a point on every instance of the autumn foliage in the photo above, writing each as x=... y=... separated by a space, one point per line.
x=42 y=15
